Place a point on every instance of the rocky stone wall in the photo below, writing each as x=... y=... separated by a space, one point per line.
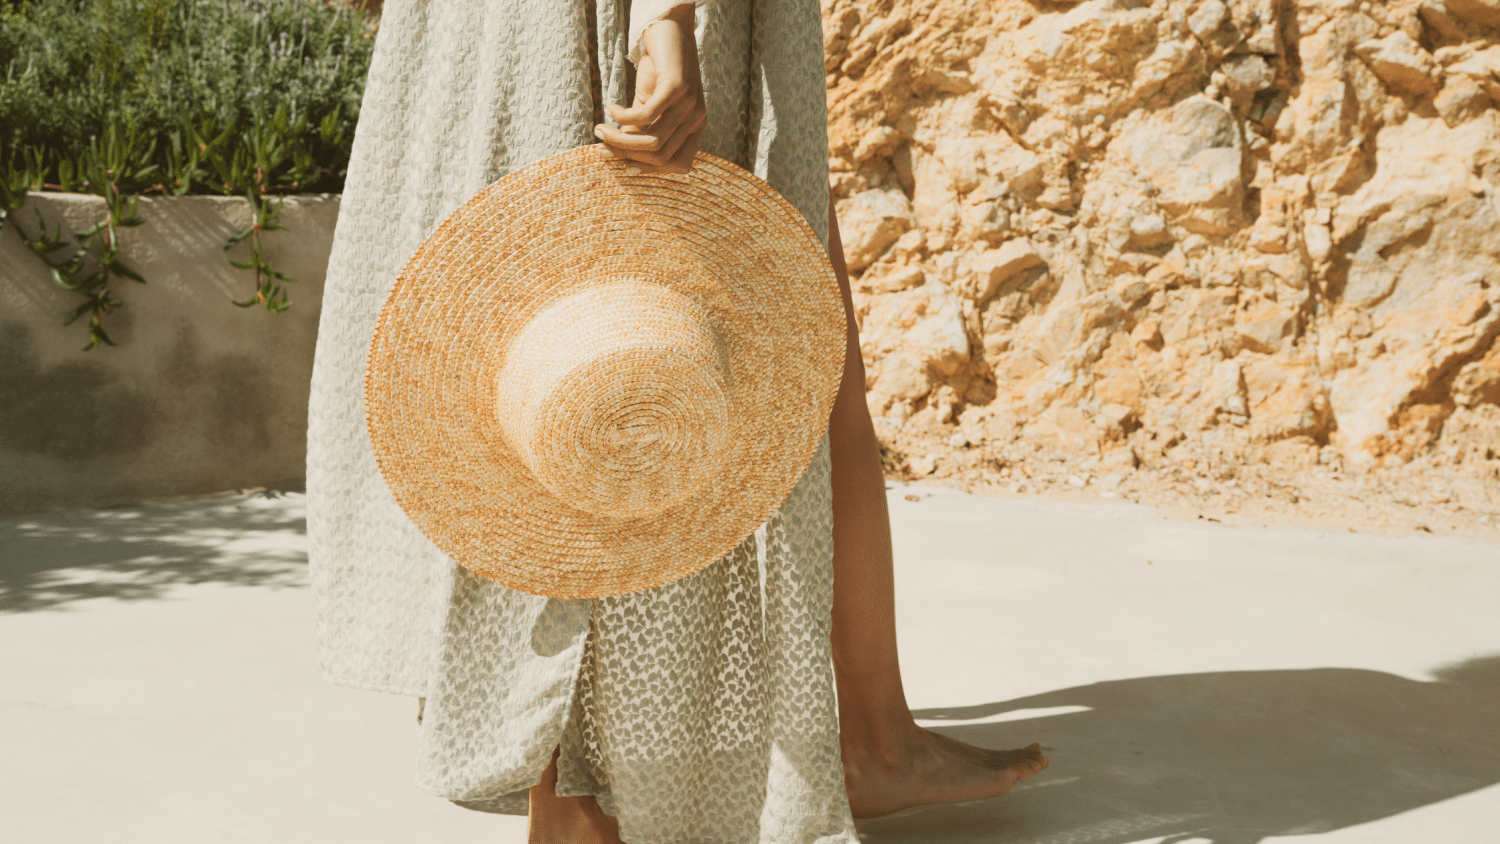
x=1214 y=233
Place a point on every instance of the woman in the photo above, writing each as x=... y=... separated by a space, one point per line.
x=702 y=710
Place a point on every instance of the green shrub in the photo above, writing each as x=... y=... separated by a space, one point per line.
x=124 y=97
x=193 y=84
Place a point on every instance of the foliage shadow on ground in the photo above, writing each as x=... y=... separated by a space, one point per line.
x=141 y=553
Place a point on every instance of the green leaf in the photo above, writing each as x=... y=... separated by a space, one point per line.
x=47 y=243
x=94 y=279
x=120 y=269
x=78 y=312
x=75 y=263
x=96 y=334
x=42 y=247
x=328 y=129
x=61 y=280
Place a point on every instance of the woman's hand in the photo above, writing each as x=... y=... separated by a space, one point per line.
x=660 y=131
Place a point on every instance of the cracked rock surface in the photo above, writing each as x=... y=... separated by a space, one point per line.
x=1234 y=255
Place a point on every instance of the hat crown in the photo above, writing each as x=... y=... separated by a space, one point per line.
x=618 y=399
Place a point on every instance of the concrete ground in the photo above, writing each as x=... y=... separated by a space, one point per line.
x=1192 y=682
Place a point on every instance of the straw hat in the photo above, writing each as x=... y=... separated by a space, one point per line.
x=587 y=383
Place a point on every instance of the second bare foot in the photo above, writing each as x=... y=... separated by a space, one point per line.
x=932 y=768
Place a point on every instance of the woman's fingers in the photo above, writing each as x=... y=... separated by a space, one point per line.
x=661 y=143
x=621 y=142
x=685 y=134
x=674 y=152
x=665 y=94
x=676 y=156
x=653 y=137
x=682 y=161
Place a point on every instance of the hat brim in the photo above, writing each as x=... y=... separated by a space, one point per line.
x=718 y=235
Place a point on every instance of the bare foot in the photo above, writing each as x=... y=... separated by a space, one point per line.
x=566 y=820
x=933 y=768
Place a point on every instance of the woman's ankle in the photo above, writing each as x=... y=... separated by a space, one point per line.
x=883 y=741
x=569 y=820
x=551 y=819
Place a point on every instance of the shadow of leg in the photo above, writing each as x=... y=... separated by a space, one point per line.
x=1228 y=758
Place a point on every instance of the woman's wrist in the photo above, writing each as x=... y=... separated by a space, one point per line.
x=675 y=28
x=681 y=18
x=683 y=14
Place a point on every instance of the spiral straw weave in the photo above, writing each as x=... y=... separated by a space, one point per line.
x=587 y=383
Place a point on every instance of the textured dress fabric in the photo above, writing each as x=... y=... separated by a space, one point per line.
x=701 y=711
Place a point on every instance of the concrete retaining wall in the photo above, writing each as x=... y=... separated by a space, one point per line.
x=198 y=396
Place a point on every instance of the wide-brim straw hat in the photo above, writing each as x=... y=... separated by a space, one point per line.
x=588 y=381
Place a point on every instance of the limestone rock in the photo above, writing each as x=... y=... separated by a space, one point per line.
x=1063 y=430
x=1480 y=66
x=893 y=278
x=1437 y=23
x=1479 y=382
x=1154 y=230
x=1264 y=326
x=1486 y=12
x=1191 y=155
x=993 y=267
x=1244 y=76
x=1286 y=399
x=1440 y=310
x=1400 y=61
x=1462 y=99
x=913 y=338
x=1227 y=388
x=869 y=222
x=1471 y=85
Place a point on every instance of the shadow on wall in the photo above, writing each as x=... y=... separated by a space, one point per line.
x=1231 y=758
x=107 y=428
x=139 y=553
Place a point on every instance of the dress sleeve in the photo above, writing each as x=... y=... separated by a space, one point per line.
x=643 y=13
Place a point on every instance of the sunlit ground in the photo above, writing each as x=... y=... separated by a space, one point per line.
x=1192 y=682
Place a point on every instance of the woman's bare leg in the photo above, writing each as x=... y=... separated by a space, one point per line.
x=566 y=820
x=889 y=762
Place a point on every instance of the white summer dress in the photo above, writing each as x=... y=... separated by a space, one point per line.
x=701 y=711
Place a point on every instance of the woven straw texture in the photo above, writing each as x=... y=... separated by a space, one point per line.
x=560 y=383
